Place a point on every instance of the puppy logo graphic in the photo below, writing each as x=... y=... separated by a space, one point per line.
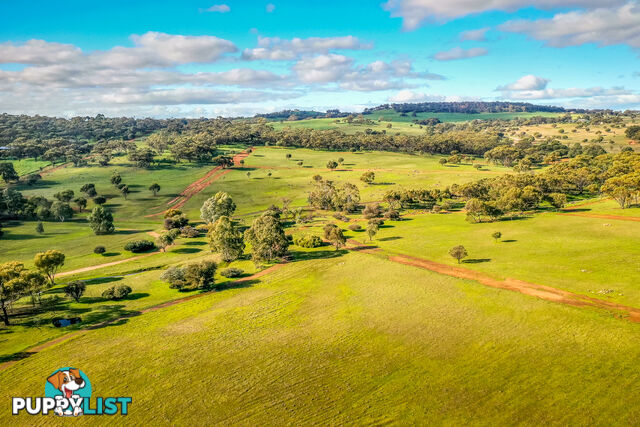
x=69 y=387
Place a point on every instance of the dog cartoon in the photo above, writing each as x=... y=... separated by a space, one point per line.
x=68 y=382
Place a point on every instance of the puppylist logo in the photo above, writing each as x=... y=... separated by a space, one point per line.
x=68 y=394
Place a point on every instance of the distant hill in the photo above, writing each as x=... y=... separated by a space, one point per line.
x=470 y=107
x=293 y=115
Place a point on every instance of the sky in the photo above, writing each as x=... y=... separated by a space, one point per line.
x=231 y=57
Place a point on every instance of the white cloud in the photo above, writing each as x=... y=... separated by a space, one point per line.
x=460 y=53
x=529 y=82
x=189 y=96
x=270 y=7
x=406 y=95
x=276 y=49
x=601 y=26
x=417 y=12
x=530 y=87
x=479 y=35
x=219 y=8
x=154 y=49
x=38 y=52
x=323 y=68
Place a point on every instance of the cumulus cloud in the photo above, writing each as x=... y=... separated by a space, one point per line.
x=479 y=35
x=219 y=8
x=155 y=49
x=340 y=69
x=414 y=13
x=270 y=7
x=460 y=53
x=602 y=26
x=190 y=96
x=37 y=52
x=322 y=68
x=277 y=49
x=530 y=87
x=529 y=82
x=406 y=95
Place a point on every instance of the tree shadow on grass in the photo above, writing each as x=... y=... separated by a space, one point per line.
x=388 y=239
x=509 y=241
x=13 y=357
x=109 y=314
x=324 y=254
x=195 y=243
x=101 y=280
x=186 y=250
x=13 y=236
x=236 y=284
x=476 y=260
x=126 y=232
x=574 y=210
x=110 y=254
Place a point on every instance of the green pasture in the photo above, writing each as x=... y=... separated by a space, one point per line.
x=579 y=254
x=392 y=115
x=288 y=180
x=353 y=339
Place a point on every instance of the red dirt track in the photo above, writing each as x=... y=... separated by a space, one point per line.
x=202 y=183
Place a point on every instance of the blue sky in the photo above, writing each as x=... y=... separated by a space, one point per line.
x=197 y=58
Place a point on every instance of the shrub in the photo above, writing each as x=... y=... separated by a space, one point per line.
x=231 y=272
x=137 y=246
x=117 y=292
x=355 y=227
x=75 y=289
x=170 y=213
x=177 y=221
x=392 y=215
x=199 y=275
x=307 y=241
x=99 y=250
x=189 y=232
x=372 y=210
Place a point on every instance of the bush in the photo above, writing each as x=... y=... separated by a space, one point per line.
x=199 y=275
x=99 y=250
x=177 y=221
x=189 y=232
x=307 y=241
x=231 y=272
x=355 y=227
x=117 y=292
x=392 y=215
x=137 y=246
x=75 y=290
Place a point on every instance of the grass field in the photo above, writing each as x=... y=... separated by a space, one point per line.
x=337 y=337
x=334 y=340
x=392 y=115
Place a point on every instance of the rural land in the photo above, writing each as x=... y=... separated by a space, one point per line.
x=426 y=262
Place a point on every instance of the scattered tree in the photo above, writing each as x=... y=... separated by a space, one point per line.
x=332 y=164
x=368 y=177
x=496 y=236
x=458 y=252
x=39 y=227
x=219 y=205
x=154 y=188
x=75 y=289
x=49 y=262
x=11 y=289
x=334 y=235
x=101 y=221
x=225 y=239
x=266 y=237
